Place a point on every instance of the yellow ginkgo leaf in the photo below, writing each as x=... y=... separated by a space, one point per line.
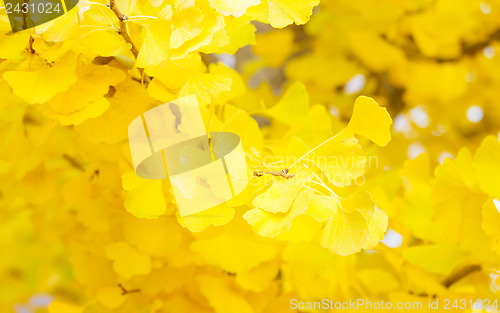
x=491 y=222
x=206 y=86
x=158 y=90
x=361 y=201
x=185 y=24
x=126 y=6
x=487 y=166
x=341 y=160
x=265 y=48
x=175 y=73
x=222 y=296
x=279 y=197
x=377 y=226
x=11 y=46
x=281 y=13
x=167 y=279
x=111 y=297
x=355 y=225
x=300 y=253
x=328 y=71
x=455 y=203
x=127 y=261
x=216 y=216
x=62 y=28
x=272 y=224
x=293 y=106
x=155 y=48
x=93 y=213
x=238 y=86
x=423 y=280
x=185 y=303
x=372 y=279
x=129 y=101
x=322 y=208
x=232 y=7
x=219 y=39
x=40 y=85
x=84 y=99
x=437 y=258
x=194 y=27
x=258 y=278
x=304 y=229
x=375 y=52
x=61 y=307
x=242 y=124
x=156 y=237
x=145 y=198
x=240 y=32
x=371 y=121
x=416 y=211
x=105 y=43
x=236 y=250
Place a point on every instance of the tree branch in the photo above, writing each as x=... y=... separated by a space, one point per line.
x=124 y=33
x=283 y=173
x=31 y=41
x=125 y=291
x=73 y=162
x=450 y=280
x=466 y=49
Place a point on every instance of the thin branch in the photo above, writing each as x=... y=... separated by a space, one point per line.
x=123 y=31
x=283 y=173
x=31 y=41
x=125 y=291
x=73 y=162
x=477 y=47
x=450 y=280
x=112 y=5
x=466 y=49
x=123 y=26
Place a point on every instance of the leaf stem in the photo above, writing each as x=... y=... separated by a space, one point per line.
x=309 y=152
x=140 y=17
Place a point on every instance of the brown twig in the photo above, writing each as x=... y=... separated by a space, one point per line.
x=413 y=53
x=283 y=173
x=125 y=291
x=450 y=280
x=114 y=8
x=124 y=33
x=73 y=162
x=31 y=41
